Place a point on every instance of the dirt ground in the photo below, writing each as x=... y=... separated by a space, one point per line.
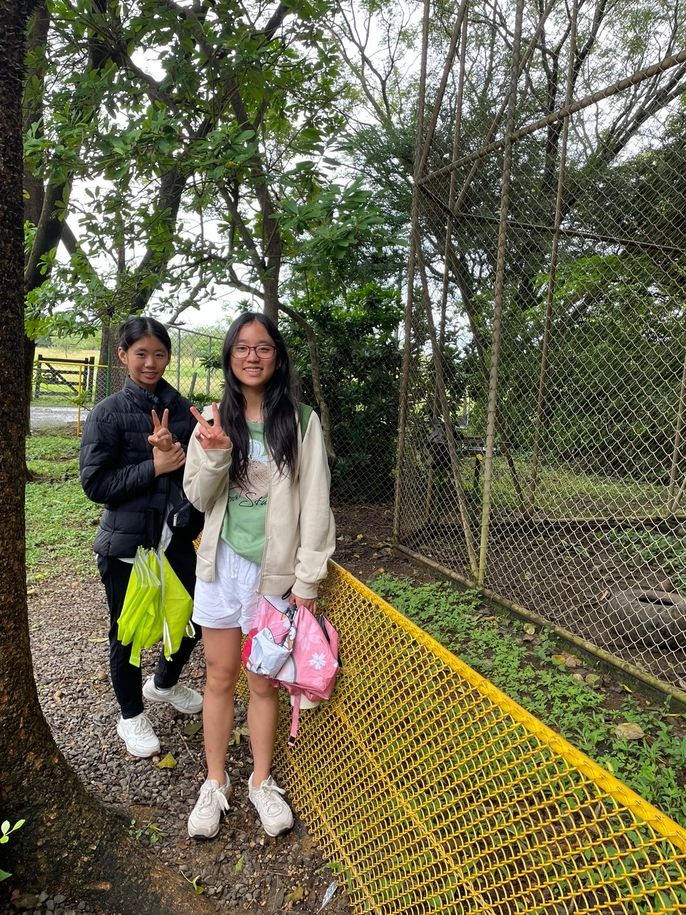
x=242 y=868
x=364 y=544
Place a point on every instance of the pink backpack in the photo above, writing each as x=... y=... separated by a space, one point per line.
x=297 y=651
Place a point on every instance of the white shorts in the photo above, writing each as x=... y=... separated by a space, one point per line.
x=230 y=601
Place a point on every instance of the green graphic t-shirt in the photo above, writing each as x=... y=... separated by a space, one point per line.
x=246 y=510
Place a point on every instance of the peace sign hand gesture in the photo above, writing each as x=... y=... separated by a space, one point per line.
x=161 y=436
x=211 y=437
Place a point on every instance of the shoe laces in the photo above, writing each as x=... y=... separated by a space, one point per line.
x=209 y=796
x=269 y=797
x=141 y=727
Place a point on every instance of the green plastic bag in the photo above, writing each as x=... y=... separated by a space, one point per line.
x=140 y=621
x=177 y=606
x=156 y=606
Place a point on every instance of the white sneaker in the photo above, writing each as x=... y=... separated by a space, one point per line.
x=211 y=805
x=275 y=814
x=138 y=735
x=182 y=698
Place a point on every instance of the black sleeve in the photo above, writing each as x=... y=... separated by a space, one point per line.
x=103 y=477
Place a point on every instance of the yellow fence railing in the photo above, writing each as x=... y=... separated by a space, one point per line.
x=435 y=793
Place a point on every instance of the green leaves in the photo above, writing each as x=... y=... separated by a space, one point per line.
x=154 y=117
x=359 y=367
x=331 y=220
x=224 y=153
x=6 y=831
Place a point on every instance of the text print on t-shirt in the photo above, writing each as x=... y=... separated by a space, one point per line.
x=252 y=490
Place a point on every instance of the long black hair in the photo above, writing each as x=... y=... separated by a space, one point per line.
x=278 y=408
x=134 y=329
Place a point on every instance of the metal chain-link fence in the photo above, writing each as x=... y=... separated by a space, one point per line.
x=543 y=410
x=195 y=368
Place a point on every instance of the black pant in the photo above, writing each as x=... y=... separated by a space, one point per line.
x=127 y=679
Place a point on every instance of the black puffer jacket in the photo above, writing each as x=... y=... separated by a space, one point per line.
x=117 y=469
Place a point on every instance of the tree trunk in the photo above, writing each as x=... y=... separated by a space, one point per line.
x=315 y=371
x=111 y=372
x=70 y=843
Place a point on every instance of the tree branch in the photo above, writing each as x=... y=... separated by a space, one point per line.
x=315 y=371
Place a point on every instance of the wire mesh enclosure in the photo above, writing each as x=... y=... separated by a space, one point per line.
x=438 y=795
x=543 y=409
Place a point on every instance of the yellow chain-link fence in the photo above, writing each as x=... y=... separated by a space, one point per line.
x=542 y=441
x=435 y=793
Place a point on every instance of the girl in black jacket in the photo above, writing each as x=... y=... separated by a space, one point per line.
x=131 y=460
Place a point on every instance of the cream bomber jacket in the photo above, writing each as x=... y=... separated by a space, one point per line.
x=300 y=533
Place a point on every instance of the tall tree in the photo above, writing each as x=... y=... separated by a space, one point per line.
x=207 y=119
x=569 y=52
x=70 y=842
x=200 y=146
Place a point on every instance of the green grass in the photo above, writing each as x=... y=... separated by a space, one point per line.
x=563 y=493
x=68 y=351
x=533 y=674
x=646 y=546
x=53 y=458
x=60 y=520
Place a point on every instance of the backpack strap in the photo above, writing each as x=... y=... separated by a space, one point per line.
x=304 y=412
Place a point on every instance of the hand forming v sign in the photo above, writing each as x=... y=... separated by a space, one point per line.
x=161 y=436
x=210 y=437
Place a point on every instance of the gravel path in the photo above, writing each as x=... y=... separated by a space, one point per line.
x=242 y=867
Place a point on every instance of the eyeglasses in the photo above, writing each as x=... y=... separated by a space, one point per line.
x=262 y=350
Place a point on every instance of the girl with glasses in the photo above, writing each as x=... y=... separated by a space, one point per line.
x=263 y=483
